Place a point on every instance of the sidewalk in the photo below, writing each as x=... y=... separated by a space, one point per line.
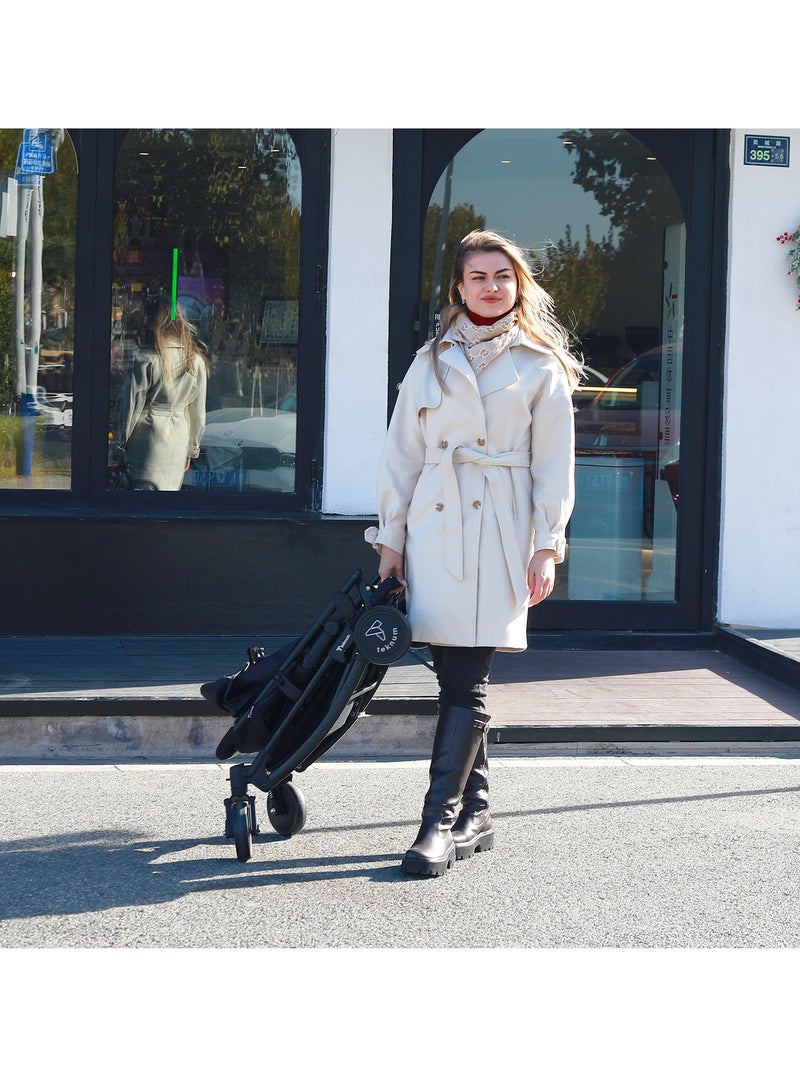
x=117 y=698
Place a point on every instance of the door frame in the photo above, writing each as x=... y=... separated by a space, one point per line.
x=697 y=162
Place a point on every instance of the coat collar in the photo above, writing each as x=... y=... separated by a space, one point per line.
x=500 y=374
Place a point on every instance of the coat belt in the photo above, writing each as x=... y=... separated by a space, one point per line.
x=500 y=490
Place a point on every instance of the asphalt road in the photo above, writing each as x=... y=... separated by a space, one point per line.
x=636 y=926
x=622 y=852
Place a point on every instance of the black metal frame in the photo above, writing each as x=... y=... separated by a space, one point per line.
x=697 y=162
x=335 y=665
x=97 y=151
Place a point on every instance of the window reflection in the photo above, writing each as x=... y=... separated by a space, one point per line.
x=605 y=230
x=38 y=182
x=209 y=221
x=162 y=407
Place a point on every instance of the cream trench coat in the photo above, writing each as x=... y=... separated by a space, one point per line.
x=161 y=423
x=470 y=482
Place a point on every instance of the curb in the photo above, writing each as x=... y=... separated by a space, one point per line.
x=119 y=737
x=378 y=735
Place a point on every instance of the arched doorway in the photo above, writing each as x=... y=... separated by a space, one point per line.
x=613 y=227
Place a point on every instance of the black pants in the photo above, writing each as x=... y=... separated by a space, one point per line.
x=463 y=675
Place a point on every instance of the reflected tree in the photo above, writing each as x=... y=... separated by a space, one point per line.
x=59 y=192
x=634 y=192
x=460 y=221
x=226 y=198
x=578 y=280
x=629 y=186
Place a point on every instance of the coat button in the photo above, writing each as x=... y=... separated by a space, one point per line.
x=476 y=503
x=481 y=442
x=443 y=444
x=440 y=507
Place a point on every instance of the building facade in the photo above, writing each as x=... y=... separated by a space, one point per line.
x=313 y=263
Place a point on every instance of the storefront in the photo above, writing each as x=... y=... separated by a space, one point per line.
x=312 y=264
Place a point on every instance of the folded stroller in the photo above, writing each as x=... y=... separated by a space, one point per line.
x=290 y=707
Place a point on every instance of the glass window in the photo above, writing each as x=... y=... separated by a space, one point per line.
x=606 y=229
x=207 y=228
x=38 y=182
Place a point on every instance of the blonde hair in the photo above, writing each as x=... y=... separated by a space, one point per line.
x=177 y=332
x=534 y=307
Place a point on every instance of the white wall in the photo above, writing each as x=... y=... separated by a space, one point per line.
x=358 y=318
x=759 y=581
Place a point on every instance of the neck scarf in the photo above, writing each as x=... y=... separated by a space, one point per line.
x=482 y=344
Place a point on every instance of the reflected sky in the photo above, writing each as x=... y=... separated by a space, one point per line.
x=521 y=181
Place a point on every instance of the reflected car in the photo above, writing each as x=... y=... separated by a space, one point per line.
x=592 y=383
x=53 y=410
x=246 y=450
x=624 y=418
x=623 y=414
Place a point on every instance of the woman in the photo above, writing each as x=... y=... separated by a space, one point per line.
x=475 y=488
x=163 y=404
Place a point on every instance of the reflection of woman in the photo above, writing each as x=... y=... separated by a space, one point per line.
x=163 y=404
x=475 y=488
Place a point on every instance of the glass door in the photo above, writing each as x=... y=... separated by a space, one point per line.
x=606 y=222
x=606 y=235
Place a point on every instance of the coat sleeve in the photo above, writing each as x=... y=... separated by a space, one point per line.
x=197 y=410
x=401 y=463
x=133 y=397
x=552 y=461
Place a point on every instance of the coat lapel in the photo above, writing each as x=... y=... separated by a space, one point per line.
x=500 y=374
x=453 y=357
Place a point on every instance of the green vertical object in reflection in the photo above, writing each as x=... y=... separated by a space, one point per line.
x=174 y=283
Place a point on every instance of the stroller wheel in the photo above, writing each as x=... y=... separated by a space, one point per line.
x=286 y=809
x=240 y=825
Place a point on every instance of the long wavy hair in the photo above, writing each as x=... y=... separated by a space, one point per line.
x=180 y=333
x=534 y=306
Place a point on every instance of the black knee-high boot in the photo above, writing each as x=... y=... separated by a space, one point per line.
x=473 y=830
x=458 y=735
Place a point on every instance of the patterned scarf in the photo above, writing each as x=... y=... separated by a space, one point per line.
x=482 y=344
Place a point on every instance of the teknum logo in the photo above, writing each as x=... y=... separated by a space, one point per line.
x=377 y=631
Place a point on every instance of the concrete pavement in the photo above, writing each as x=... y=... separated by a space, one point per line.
x=132 y=698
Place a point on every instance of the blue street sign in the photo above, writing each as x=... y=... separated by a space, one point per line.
x=36 y=152
x=766 y=151
x=21 y=177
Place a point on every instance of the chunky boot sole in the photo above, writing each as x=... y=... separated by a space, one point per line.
x=482 y=843
x=423 y=867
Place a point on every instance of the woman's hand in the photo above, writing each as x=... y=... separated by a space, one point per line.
x=541 y=575
x=391 y=564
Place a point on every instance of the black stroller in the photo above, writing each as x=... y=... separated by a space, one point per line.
x=292 y=706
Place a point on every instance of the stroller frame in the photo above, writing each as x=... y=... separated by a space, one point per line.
x=348 y=648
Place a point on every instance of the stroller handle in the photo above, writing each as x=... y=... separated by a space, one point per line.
x=385 y=589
